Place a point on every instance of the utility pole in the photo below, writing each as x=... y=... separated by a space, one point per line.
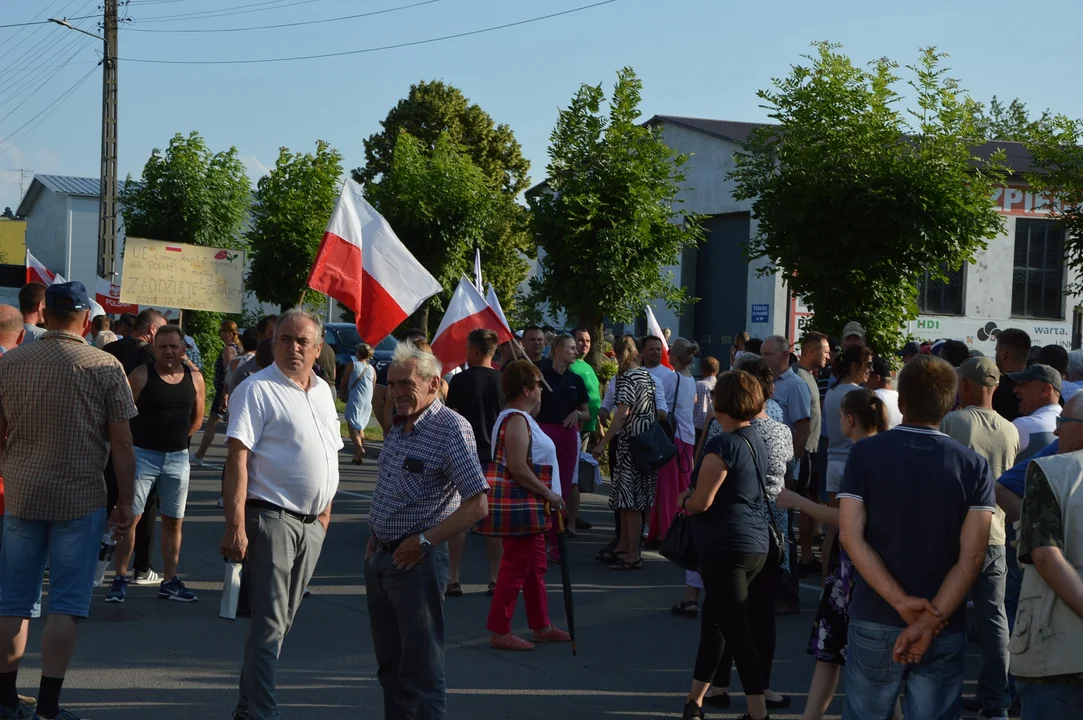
x=107 y=209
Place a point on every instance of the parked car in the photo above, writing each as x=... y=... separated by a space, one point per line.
x=344 y=339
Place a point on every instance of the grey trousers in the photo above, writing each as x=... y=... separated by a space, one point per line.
x=282 y=555
x=992 y=625
x=406 y=611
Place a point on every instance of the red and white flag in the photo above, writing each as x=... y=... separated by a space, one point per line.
x=36 y=272
x=467 y=311
x=108 y=296
x=494 y=302
x=363 y=264
x=653 y=328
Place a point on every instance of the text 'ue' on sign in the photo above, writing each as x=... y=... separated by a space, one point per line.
x=190 y=277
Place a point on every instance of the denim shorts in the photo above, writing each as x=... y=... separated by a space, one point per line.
x=71 y=549
x=170 y=472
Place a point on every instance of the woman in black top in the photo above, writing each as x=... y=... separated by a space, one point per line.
x=730 y=535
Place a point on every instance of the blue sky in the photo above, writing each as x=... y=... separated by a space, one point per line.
x=704 y=58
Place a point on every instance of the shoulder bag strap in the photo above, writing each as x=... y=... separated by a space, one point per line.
x=763 y=486
x=501 y=456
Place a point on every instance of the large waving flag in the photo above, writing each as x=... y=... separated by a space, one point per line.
x=37 y=272
x=363 y=264
x=467 y=311
x=494 y=302
x=653 y=328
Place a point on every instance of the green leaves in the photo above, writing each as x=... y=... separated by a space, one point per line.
x=292 y=206
x=856 y=199
x=608 y=216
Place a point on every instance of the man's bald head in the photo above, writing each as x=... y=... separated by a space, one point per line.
x=11 y=326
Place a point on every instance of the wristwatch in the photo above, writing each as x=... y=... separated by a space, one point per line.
x=425 y=544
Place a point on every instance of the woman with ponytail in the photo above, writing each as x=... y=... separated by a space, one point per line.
x=851 y=369
x=861 y=414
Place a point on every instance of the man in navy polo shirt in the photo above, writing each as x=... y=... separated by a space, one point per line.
x=915 y=512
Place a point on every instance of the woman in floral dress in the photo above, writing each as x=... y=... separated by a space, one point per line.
x=862 y=414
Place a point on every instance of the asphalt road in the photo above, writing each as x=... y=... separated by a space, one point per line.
x=149 y=658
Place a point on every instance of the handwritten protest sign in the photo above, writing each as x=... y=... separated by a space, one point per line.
x=178 y=275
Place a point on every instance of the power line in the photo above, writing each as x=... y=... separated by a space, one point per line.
x=40 y=82
x=283 y=25
x=46 y=111
x=372 y=49
x=43 y=17
x=235 y=10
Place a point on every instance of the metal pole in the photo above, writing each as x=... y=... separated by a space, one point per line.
x=107 y=208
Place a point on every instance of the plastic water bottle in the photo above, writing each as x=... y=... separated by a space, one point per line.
x=231 y=591
x=105 y=555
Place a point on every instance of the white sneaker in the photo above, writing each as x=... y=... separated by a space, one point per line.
x=148 y=578
x=197 y=461
x=221 y=501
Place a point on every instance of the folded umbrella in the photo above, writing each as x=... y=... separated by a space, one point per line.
x=566 y=577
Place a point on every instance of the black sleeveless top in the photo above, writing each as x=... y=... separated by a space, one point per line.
x=165 y=413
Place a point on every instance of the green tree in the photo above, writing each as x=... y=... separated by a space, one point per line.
x=292 y=204
x=432 y=109
x=608 y=215
x=189 y=194
x=442 y=206
x=856 y=199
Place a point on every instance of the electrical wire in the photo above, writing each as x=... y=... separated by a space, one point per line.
x=11 y=47
x=372 y=49
x=39 y=81
x=235 y=10
x=283 y=25
x=46 y=111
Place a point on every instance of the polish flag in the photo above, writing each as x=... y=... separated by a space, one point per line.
x=467 y=311
x=494 y=302
x=108 y=296
x=363 y=264
x=36 y=272
x=653 y=328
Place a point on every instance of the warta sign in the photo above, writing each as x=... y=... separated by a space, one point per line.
x=981 y=333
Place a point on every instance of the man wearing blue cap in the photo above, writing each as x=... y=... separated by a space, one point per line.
x=53 y=463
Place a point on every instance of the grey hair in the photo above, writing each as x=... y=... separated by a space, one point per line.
x=780 y=343
x=747 y=358
x=1075 y=363
x=298 y=314
x=104 y=338
x=687 y=349
x=425 y=363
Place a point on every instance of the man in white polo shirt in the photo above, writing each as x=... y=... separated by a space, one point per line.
x=1038 y=389
x=281 y=475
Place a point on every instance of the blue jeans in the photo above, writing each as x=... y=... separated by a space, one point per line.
x=992 y=625
x=874 y=681
x=406 y=612
x=1051 y=701
x=1013 y=585
x=71 y=548
x=35 y=612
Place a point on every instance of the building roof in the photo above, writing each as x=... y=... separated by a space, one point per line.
x=62 y=185
x=726 y=129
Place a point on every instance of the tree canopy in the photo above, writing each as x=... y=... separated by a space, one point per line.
x=292 y=204
x=432 y=109
x=608 y=217
x=856 y=198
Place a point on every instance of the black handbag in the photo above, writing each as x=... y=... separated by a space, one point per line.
x=651 y=449
x=677 y=546
x=777 y=550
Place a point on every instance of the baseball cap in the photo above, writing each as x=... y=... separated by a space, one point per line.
x=910 y=348
x=67 y=297
x=1039 y=372
x=853 y=328
x=882 y=367
x=980 y=370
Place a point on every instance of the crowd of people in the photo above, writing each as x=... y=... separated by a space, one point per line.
x=950 y=487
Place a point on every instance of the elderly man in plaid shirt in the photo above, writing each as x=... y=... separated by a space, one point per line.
x=430 y=488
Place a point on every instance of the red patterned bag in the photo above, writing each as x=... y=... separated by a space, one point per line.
x=514 y=511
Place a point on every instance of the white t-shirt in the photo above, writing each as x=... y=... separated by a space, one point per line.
x=1042 y=422
x=891 y=402
x=665 y=380
x=293 y=438
x=542 y=449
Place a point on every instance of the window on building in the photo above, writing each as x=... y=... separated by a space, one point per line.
x=1038 y=276
x=941 y=297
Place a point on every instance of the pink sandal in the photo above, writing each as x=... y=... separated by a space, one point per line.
x=551 y=634
x=510 y=642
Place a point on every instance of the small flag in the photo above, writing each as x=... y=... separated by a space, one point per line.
x=36 y=272
x=494 y=302
x=108 y=296
x=467 y=311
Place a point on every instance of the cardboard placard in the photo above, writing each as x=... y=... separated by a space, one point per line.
x=184 y=276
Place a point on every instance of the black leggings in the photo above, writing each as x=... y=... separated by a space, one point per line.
x=727 y=577
x=763 y=591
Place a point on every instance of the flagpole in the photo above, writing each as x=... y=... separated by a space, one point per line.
x=302 y=300
x=515 y=344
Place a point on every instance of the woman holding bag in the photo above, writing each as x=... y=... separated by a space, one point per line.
x=520 y=445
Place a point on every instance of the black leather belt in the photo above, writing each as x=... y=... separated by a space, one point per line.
x=264 y=505
x=389 y=547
